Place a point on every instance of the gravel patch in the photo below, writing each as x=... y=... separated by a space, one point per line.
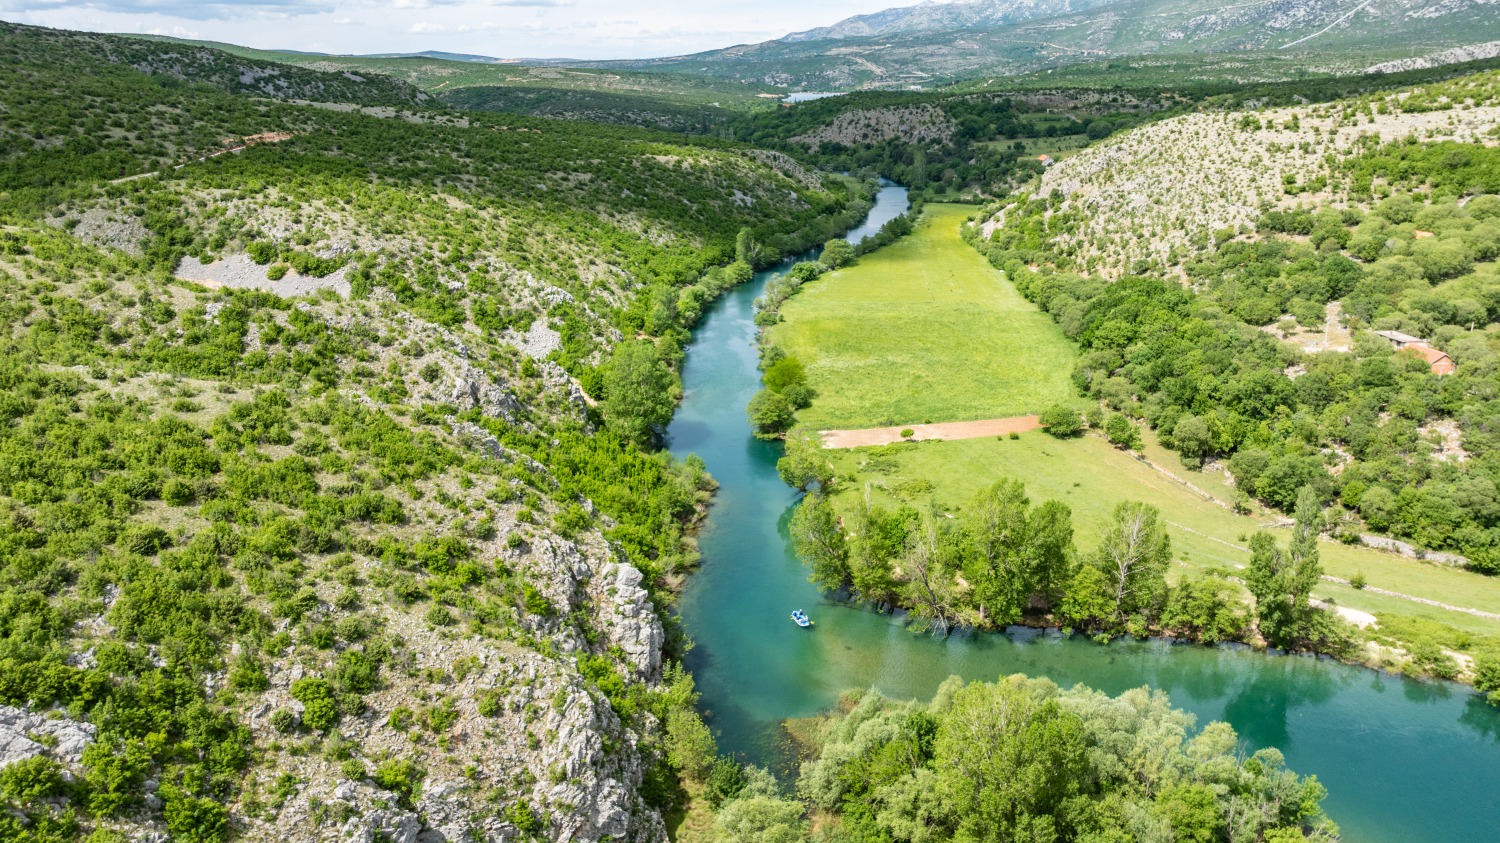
x=239 y=272
x=99 y=227
x=538 y=341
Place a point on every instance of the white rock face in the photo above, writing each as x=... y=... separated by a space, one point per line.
x=1473 y=52
x=18 y=727
x=473 y=389
x=633 y=625
x=1146 y=193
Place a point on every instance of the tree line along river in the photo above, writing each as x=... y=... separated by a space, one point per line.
x=1402 y=760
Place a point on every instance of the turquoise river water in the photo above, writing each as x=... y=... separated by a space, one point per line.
x=1402 y=760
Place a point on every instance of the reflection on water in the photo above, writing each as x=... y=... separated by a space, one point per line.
x=1389 y=760
x=809 y=96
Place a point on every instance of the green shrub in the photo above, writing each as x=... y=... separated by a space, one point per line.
x=1061 y=421
x=247 y=674
x=356 y=672
x=401 y=777
x=30 y=779
x=178 y=492
x=191 y=819
x=283 y=721
x=262 y=252
x=320 y=710
x=524 y=818
x=401 y=718
x=725 y=780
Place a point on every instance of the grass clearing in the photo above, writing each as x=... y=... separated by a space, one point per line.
x=1059 y=147
x=1092 y=477
x=924 y=330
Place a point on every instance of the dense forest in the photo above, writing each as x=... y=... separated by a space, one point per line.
x=943 y=145
x=1020 y=759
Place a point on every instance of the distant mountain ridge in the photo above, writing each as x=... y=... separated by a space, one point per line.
x=934 y=43
x=931 y=16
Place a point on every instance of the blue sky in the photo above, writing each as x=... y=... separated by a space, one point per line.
x=504 y=28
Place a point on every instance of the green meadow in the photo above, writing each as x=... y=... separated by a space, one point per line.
x=1092 y=478
x=924 y=330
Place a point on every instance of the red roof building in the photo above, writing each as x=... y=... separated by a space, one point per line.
x=1437 y=361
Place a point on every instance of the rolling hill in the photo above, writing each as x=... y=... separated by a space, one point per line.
x=315 y=518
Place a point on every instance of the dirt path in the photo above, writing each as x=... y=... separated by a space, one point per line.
x=248 y=141
x=1478 y=613
x=945 y=430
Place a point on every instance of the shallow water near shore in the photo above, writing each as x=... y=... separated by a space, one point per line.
x=1402 y=760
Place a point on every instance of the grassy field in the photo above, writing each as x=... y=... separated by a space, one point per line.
x=1060 y=147
x=924 y=330
x=1092 y=478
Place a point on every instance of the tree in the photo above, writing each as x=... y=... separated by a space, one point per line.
x=803 y=464
x=770 y=414
x=876 y=537
x=998 y=539
x=836 y=253
x=1088 y=599
x=690 y=745
x=1133 y=556
x=1052 y=555
x=1192 y=437
x=746 y=250
x=928 y=587
x=758 y=813
x=1122 y=432
x=1007 y=758
x=640 y=392
x=1193 y=812
x=738 y=273
x=1283 y=582
x=818 y=540
x=1061 y=421
x=787 y=371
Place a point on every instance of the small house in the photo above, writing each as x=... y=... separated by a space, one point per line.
x=1046 y=160
x=1439 y=362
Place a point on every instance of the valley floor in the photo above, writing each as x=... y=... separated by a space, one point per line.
x=923 y=331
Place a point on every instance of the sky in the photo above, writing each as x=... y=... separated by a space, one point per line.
x=587 y=29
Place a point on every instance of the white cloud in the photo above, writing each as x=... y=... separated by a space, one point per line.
x=587 y=29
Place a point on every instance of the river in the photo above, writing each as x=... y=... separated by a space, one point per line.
x=1402 y=760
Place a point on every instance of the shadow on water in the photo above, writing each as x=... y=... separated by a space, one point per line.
x=1389 y=760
